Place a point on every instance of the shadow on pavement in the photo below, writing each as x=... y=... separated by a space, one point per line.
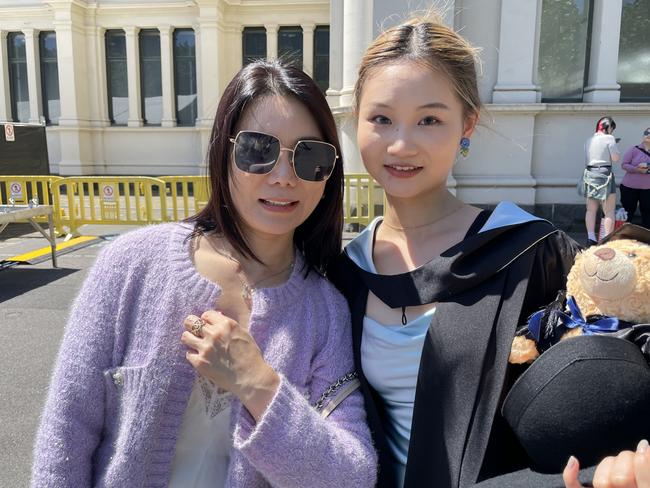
x=19 y=229
x=16 y=281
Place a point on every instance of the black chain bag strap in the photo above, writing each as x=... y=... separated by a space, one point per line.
x=337 y=391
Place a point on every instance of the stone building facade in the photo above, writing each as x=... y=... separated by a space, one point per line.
x=131 y=86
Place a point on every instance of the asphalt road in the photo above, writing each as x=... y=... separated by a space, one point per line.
x=34 y=303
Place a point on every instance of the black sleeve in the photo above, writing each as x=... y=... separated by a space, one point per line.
x=553 y=260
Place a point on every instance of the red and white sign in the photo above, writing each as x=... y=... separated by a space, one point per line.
x=108 y=193
x=10 y=134
x=16 y=189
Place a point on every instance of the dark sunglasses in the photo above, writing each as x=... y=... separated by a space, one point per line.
x=257 y=153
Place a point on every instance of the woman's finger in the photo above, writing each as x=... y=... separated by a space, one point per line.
x=622 y=474
x=642 y=465
x=190 y=340
x=603 y=470
x=194 y=359
x=570 y=474
x=212 y=316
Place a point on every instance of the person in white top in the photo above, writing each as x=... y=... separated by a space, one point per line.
x=597 y=184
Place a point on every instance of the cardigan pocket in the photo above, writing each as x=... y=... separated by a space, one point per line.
x=127 y=405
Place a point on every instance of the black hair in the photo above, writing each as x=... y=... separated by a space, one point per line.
x=604 y=123
x=319 y=236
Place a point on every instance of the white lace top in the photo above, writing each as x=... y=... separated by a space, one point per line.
x=203 y=448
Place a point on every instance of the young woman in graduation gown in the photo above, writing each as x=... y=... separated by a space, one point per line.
x=437 y=287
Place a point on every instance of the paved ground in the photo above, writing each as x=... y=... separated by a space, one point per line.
x=34 y=302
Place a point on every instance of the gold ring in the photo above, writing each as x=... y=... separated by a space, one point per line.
x=197 y=327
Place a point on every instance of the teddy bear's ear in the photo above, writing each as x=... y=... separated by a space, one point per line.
x=629 y=231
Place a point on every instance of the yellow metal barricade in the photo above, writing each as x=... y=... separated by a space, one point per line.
x=186 y=195
x=361 y=195
x=136 y=200
x=26 y=189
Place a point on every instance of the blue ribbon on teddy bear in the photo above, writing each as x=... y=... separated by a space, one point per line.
x=572 y=320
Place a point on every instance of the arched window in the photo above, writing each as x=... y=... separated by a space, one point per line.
x=49 y=77
x=563 y=49
x=253 y=44
x=19 y=90
x=116 y=77
x=290 y=45
x=322 y=56
x=185 y=77
x=150 y=76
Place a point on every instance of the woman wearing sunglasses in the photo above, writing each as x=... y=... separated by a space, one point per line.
x=213 y=352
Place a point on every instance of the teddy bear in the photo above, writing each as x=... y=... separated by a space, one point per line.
x=586 y=396
x=608 y=289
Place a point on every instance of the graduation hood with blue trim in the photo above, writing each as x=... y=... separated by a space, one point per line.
x=464 y=265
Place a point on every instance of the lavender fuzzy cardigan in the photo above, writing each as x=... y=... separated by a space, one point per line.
x=121 y=382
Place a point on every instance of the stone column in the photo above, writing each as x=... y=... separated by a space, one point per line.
x=5 y=95
x=98 y=94
x=33 y=75
x=209 y=67
x=238 y=47
x=336 y=52
x=603 y=58
x=308 y=48
x=208 y=64
x=357 y=34
x=271 y=40
x=166 y=57
x=73 y=70
x=76 y=143
x=97 y=90
x=133 y=74
x=517 y=53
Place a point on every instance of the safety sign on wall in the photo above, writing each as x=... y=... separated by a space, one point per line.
x=108 y=193
x=16 y=190
x=10 y=134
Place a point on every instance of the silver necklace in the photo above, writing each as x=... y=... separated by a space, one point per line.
x=248 y=288
x=402 y=229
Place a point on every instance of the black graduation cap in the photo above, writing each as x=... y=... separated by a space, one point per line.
x=628 y=231
x=587 y=396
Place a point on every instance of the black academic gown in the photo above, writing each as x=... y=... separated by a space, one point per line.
x=485 y=287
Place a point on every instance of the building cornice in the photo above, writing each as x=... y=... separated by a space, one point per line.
x=277 y=3
x=535 y=108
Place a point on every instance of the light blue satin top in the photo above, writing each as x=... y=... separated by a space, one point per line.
x=390 y=358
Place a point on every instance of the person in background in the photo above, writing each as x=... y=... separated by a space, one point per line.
x=209 y=353
x=635 y=186
x=598 y=184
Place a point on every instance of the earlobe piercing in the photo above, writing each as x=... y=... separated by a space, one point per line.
x=464 y=147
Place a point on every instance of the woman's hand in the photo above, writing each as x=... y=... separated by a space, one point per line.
x=224 y=352
x=627 y=470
